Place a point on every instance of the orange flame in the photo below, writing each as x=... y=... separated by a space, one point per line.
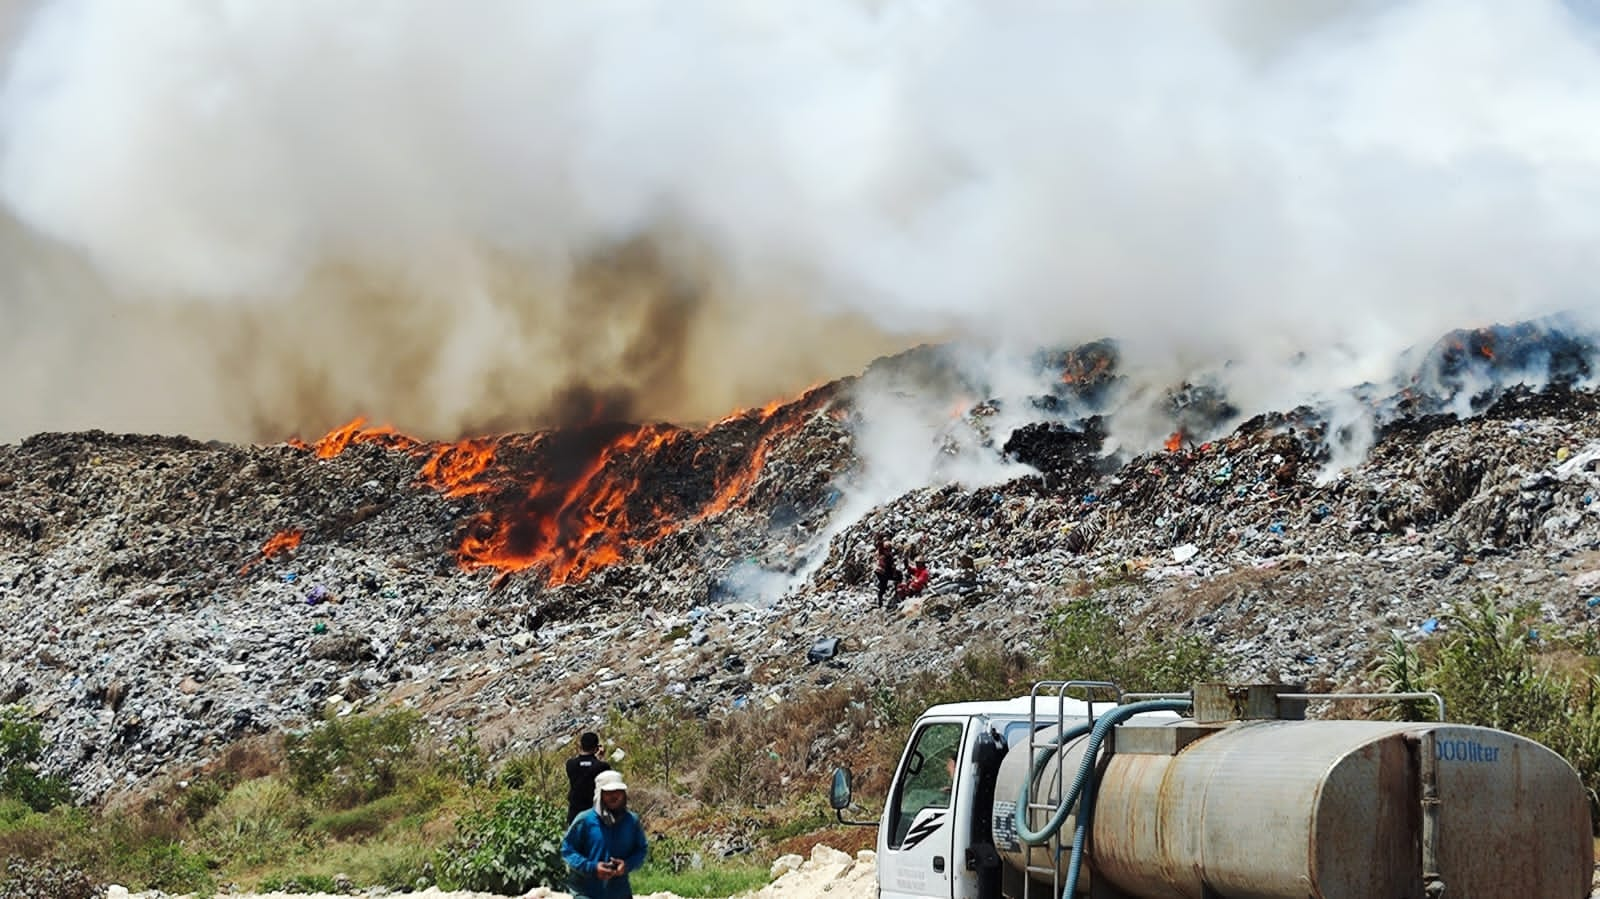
x=276 y=545
x=281 y=542
x=572 y=525
x=455 y=468
x=338 y=440
x=573 y=501
x=1174 y=441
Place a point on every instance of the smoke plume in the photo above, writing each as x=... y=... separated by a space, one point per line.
x=246 y=220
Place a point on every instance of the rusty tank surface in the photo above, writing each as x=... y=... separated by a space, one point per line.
x=1216 y=807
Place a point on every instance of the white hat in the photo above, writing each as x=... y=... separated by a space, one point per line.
x=606 y=781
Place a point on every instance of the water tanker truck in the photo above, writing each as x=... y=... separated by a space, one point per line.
x=1223 y=792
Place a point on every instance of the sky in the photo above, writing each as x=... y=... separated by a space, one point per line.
x=252 y=219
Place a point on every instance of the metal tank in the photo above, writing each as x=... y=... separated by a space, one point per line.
x=1329 y=809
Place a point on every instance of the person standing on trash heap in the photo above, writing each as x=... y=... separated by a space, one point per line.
x=604 y=843
x=581 y=772
x=885 y=568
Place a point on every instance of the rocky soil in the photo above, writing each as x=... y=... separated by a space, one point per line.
x=158 y=610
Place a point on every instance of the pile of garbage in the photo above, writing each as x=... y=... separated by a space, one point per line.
x=167 y=597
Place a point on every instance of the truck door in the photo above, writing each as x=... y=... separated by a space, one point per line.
x=918 y=855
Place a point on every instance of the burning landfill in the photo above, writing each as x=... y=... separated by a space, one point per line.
x=169 y=596
x=519 y=362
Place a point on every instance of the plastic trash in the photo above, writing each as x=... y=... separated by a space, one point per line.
x=1429 y=626
x=823 y=650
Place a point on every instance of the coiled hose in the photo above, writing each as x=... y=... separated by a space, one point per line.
x=1084 y=786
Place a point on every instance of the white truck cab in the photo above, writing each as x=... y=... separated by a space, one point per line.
x=936 y=836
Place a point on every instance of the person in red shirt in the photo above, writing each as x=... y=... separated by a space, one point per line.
x=916 y=579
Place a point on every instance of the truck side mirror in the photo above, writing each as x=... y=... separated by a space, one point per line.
x=839 y=793
x=839 y=798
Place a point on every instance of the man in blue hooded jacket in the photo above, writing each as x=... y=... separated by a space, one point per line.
x=604 y=843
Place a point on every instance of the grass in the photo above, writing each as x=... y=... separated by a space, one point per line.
x=722 y=879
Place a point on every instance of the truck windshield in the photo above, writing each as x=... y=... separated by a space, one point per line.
x=927 y=777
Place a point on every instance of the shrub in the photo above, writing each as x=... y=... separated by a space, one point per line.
x=166 y=865
x=299 y=883
x=536 y=772
x=1399 y=670
x=64 y=832
x=740 y=773
x=1088 y=642
x=466 y=761
x=203 y=794
x=1487 y=673
x=353 y=760
x=258 y=822
x=13 y=811
x=22 y=747
x=510 y=849
x=661 y=737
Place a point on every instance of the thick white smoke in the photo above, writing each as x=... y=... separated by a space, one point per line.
x=245 y=219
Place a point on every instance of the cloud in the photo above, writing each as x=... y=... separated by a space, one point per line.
x=250 y=219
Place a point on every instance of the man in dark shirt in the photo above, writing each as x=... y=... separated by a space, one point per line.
x=581 y=771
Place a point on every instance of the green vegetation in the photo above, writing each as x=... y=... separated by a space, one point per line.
x=720 y=880
x=1089 y=642
x=348 y=761
x=510 y=849
x=1505 y=669
x=663 y=733
x=373 y=801
x=299 y=883
x=21 y=748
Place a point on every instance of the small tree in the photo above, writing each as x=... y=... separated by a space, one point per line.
x=1087 y=641
x=22 y=747
x=1400 y=670
x=509 y=850
x=1487 y=671
x=353 y=760
x=661 y=737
